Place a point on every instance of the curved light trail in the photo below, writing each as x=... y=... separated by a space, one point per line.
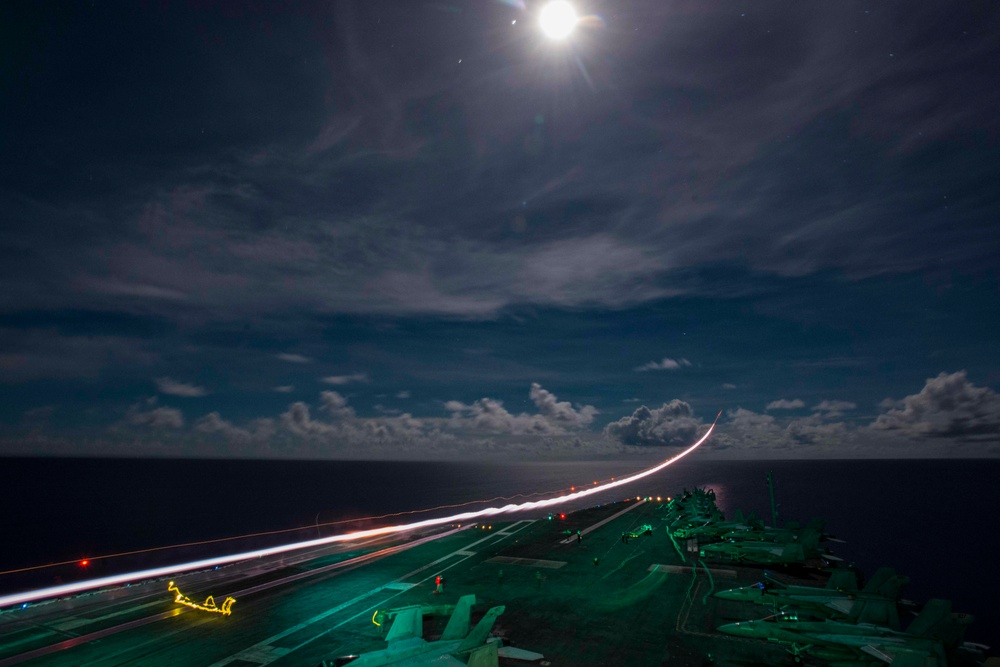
x=325 y=524
x=114 y=580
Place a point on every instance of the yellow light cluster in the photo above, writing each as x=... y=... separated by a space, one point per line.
x=208 y=605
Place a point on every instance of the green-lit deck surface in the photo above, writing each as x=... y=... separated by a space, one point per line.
x=621 y=611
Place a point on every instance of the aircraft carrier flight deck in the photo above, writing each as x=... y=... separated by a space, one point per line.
x=607 y=585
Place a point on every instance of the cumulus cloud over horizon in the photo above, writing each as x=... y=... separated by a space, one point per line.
x=948 y=405
x=259 y=431
x=756 y=433
x=333 y=428
x=949 y=410
x=553 y=417
x=334 y=404
x=157 y=418
x=561 y=412
x=671 y=425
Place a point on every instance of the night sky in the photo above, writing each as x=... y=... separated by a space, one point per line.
x=426 y=230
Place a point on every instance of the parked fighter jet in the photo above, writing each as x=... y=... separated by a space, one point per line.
x=934 y=635
x=457 y=646
x=696 y=508
x=839 y=599
x=792 y=532
x=769 y=553
x=716 y=529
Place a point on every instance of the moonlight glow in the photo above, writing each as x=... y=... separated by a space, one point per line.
x=557 y=19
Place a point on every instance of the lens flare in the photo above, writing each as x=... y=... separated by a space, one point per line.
x=557 y=19
x=115 y=580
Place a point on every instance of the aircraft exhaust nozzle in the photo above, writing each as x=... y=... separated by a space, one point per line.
x=744 y=594
x=737 y=629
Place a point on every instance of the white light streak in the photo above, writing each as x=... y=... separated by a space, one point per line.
x=115 y=580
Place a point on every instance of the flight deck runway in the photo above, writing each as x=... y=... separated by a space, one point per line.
x=592 y=599
x=276 y=614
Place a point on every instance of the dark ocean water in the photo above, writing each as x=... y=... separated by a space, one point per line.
x=934 y=521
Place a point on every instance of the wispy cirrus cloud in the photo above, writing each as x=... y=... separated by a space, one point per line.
x=834 y=408
x=346 y=379
x=785 y=404
x=172 y=387
x=665 y=364
x=294 y=358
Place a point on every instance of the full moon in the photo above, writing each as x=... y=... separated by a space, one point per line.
x=557 y=19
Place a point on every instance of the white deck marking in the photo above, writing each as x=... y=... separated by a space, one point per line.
x=528 y=562
x=77 y=621
x=400 y=587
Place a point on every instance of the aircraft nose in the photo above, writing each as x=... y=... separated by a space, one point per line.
x=731 y=594
x=737 y=629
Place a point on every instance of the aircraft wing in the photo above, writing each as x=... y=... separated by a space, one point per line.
x=776 y=550
x=431 y=660
x=840 y=605
x=514 y=653
x=902 y=658
x=916 y=660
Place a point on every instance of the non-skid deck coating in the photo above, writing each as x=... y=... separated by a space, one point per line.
x=593 y=600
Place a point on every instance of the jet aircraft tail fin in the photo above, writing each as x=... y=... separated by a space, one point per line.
x=882 y=613
x=458 y=624
x=816 y=524
x=843 y=580
x=409 y=622
x=937 y=621
x=886 y=583
x=481 y=631
x=809 y=539
x=879 y=579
